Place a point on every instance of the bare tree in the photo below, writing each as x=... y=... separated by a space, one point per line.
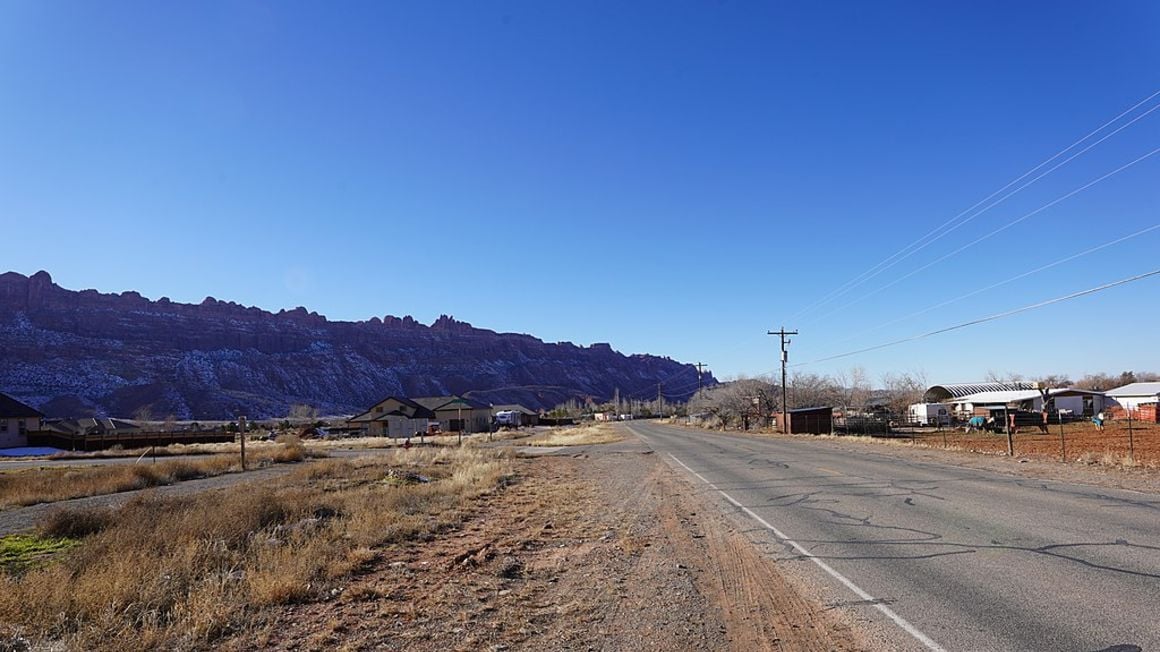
x=1054 y=380
x=903 y=390
x=745 y=402
x=812 y=390
x=1102 y=381
x=302 y=412
x=143 y=415
x=857 y=388
x=1010 y=377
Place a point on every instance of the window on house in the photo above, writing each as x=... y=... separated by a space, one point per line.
x=4 y=425
x=20 y=424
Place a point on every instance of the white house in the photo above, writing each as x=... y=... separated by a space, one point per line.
x=1132 y=395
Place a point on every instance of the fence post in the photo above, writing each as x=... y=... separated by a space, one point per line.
x=1131 y=445
x=1062 y=441
x=1010 y=438
x=242 y=439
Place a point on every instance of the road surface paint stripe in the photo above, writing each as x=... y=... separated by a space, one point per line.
x=898 y=620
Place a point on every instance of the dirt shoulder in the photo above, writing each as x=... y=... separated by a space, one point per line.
x=601 y=547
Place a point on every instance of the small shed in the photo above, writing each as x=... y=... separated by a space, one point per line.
x=810 y=421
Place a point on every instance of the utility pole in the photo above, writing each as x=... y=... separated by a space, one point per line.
x=700 y=366
x=660 y=404
x=242 y=438
x=784 y=359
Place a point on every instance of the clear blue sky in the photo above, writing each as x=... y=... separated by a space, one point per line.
x=671 y=177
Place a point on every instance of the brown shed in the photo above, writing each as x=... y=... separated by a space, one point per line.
x=810 y=421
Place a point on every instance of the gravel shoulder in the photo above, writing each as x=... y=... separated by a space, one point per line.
x=596 y=547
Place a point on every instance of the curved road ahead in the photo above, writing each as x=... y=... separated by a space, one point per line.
x=942 y=557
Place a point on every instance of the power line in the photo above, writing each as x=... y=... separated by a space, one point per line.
x=997 y=231
x=858 y=280
x=982 y=320
x=1009 y=280
x=1002 y=199
x=640 y=393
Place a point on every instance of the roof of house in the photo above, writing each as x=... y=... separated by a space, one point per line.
x=10 y=408
x=1015 y=396
x=406 y=406
x=1135 y=389
x=958 y=390
x=408 y=409
x=449 y=403
x=89 y=424
x=810 y=409
x=1008 y=396
x=515 y=407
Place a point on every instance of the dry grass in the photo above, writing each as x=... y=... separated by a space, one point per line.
x=376 y=443
x=583 y=435
x=256 y=446
x=52 y=484
x=166 y=573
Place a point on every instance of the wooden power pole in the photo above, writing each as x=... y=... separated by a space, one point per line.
x=782 y=333
x=700 y=367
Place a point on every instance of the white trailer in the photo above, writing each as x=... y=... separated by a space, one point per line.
x=507 y=418
x=931 y=414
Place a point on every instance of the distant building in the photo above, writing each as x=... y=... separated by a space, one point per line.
x=393 y=417
x=90 y=426
x=946 y=393
x=527 y=417
x=810 y=421
x=16 y=421
x=1078 y=402
x=458 y=414
x=1132 y=396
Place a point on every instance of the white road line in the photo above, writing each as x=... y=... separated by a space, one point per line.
x=898 y=620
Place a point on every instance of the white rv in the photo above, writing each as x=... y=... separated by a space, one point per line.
x=931 y=414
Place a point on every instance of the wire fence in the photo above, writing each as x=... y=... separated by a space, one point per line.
x=1118 y=442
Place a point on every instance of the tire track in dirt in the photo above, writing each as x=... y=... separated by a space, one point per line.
x=759 y=608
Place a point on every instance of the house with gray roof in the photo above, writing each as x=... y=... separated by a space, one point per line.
x=1133 y=395
x=458 y=413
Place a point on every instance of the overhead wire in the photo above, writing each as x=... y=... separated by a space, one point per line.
x=1006 y=281
x=990 y=234
x=931 y=236
x=988 y=318
x=1000 y=200
x=958 y=221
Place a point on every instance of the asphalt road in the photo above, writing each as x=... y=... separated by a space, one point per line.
x=940 y=556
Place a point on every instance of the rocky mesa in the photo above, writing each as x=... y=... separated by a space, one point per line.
x=76 y=353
